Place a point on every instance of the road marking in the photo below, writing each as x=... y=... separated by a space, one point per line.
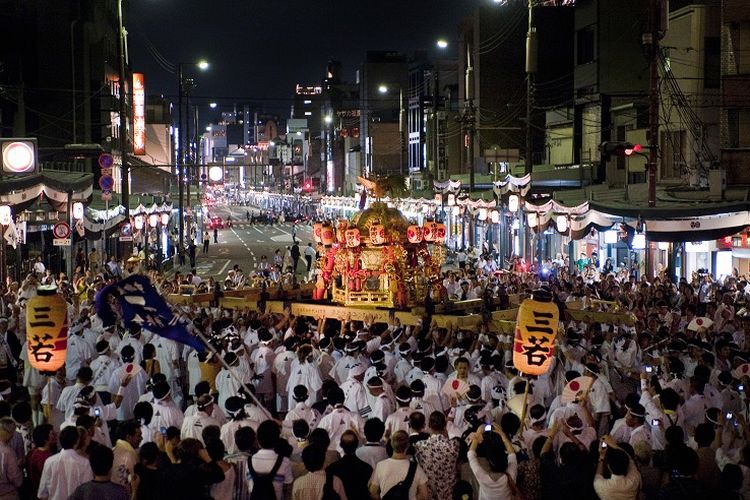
x=224 y=268
x=261 y=232
x=289 y=234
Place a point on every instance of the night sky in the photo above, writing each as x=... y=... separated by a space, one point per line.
x=260 y=50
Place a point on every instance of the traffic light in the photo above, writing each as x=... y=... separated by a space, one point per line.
x=618 y=148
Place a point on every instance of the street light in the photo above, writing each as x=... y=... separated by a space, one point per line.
x=442 y=43
x=202 y=65
x=212 y=105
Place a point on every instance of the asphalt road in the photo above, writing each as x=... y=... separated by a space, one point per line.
x=245 y=243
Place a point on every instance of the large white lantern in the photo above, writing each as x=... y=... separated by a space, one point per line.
x=495 y=216
x=483 y=214
x=153 y=220
x=78 y=210
x=139 y=222
x=562 y=223
x=513 y=202
x=164 y=219
x=215 y=173
x=5 y=215
x=451 y=200
x=532 y=219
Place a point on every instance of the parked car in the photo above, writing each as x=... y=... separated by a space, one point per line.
x=216 y=223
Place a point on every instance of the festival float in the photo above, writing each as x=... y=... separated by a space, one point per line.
x=378 y=258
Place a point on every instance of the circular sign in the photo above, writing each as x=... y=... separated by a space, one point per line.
x=215 y=173
x=126 y=230
x=18 y=157
x=106 y=160
x=61 y=230
x=106 y=182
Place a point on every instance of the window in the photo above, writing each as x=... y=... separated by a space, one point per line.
x=712 y=62
x=307 y=101
x=308 y=113
x=585 y=45
x=738 y=128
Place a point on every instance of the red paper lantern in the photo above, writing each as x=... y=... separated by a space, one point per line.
x=353 y=238
x=439 y=233
x=377 y=234
x=318 y=232
x=428 y=231
x=326 y=235
x=414 y=234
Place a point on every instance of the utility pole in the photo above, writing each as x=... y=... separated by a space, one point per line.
x=179 y=162
x=651 y=40
x=125 y=171
x=531 y=67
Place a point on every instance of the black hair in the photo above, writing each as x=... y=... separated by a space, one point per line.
x=244 y=438
x=320 y=437
x=211 y=432
x=215 y=449
x=510 y=423
x=374 y=430
x=704 y=434
x=300 y=428
x=618 y=461
x=21 y=412
x=314 y=456
x=68 y=437
x=148 y=452
x=127 y=428
x=101 y=459
x=143 y=412
x=268 y=434
x=41 y=434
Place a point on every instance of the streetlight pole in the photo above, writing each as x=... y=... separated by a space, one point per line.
x=124 y=169
x=179 y=162
x=531 y=68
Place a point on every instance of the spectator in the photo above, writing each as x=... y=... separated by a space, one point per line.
x=225 y=489
x=624 y=480
x=148 y=472
x=125 y=457
x=192 y=474
x=267 y=460
x=101 y=486
x=438 y=457
x=374 y=450
x=499 y=482
x=353 y=472
x=683 y=485
x=11 y=476
x=45 y=439
x=65 y=471
x=316 y=481
x=392 y=471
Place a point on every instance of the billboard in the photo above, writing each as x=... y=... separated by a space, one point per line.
x=139 y=115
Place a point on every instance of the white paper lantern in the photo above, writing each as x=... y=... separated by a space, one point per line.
x=5 y=215
x=153 y=220
x=451 y=200
x=639 y=241
x=562 y=223
x=78 y=210
x=139 y=222
x=456 y=210
x=532 y=219
x=164 y=219
x=610 y=237
x=495 y=216
x=663 y=245
x=513 y=202
x=482 y=214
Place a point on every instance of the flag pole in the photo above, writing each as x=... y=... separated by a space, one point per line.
x=232 y=372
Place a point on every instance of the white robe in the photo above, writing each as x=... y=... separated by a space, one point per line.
x=304 y=374
x=192 y=427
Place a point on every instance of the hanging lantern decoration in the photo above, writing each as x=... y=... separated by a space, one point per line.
x=495 y=216
x=533 y=219
x=428 y=231
x=562 y=223
x=451 y=200
x=513 y=202
x=377 y=234
x=153 y=220
x=6 y=215
x=439 y=232
x=414 y=234
x=353 y=238
x=326 y=235
x=138 y=222
x=536 y=329
x=318 y=232
x=341 y=226
x=482 y=214
x=47 y=330
x=164 y=219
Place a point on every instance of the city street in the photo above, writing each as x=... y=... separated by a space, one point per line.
x=245 y=243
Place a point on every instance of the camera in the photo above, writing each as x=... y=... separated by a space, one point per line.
x=741 y=387
x=604 y=444
x=655 y=422
x=97 y=412
x=729 y=415
x=488 y=428
x=649 y=369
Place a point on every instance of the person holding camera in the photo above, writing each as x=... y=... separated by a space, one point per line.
x=622 y=481
x=499 y=482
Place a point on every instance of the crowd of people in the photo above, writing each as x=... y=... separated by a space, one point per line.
x=283 y=406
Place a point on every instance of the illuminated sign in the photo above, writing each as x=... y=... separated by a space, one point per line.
x=139 y=115
x=307 y=90
x=18 y=155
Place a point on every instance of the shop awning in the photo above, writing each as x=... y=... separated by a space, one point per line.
x=21 y=192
